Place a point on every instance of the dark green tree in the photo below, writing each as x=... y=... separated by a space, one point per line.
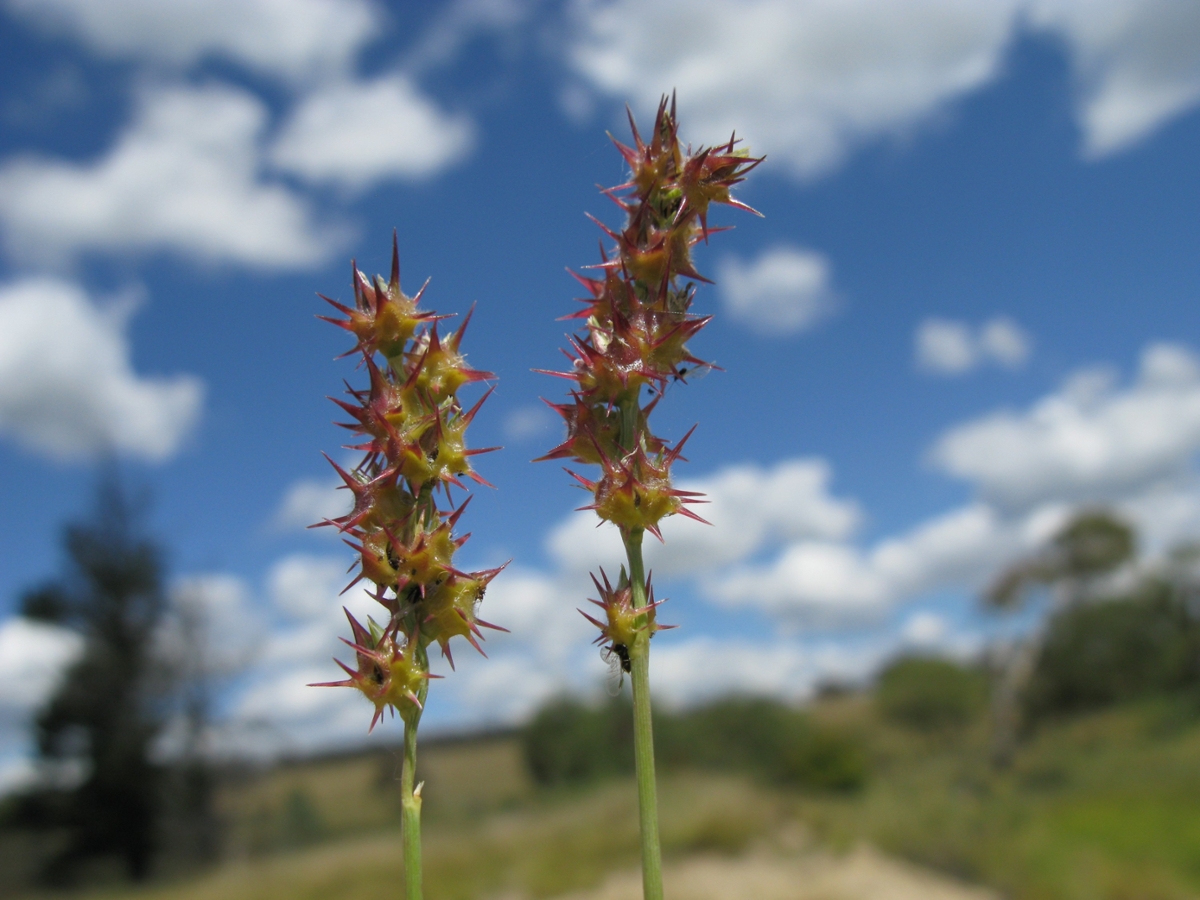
x=1072 y=566
x=1144 y=643
x=108 y=707
x=929 y=694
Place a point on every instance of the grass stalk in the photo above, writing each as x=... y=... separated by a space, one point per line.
x=643 y=728
x=410 y=803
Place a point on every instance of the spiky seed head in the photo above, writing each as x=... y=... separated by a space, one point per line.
x=389 y=674
x=623 y=621
x=413 y=434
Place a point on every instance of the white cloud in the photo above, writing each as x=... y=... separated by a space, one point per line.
x=184 y=177
x=293 y=39
x=1090 y=441
x=781 y=544
x=505 y=689
x=32 y=657
x=276 y=711
x=816 y=579
x=355 y=133
x=1136 y=64
x=949 y=347
x=785 y=291
x=308 y=501
x=750 y=508
x=1003 y=342
x=462 y=20
x=526 y=422
x=538 y=610
x=945 y=346
x=836 y=582
x=924 y=629
x=67 y=387
x=703 y=668
x=803 y=82
x=808 y=82
x=306 y=587
x=213 y=625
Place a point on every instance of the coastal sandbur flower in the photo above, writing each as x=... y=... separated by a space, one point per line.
x=411 y=429
x=633 y=344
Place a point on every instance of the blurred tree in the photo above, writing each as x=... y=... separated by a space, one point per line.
x=108 y=707
x=930 y=694
x=1090 y=546
x=205 y=651
x=1142 y=644
x=1073 y=567
x=571 y=741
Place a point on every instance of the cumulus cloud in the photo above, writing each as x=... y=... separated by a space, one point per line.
x=703 y=668
x=924 y=629
x=184 y=177
x=32 y=657
x=781 y=544
x=784 y=545
x=213 y=624
x=354 y=133
x=832 y=582
x=784 y=291
x=1090 y=441
x=804 y=82
x=949 y=347
x=1136 y=64
x=292 y=39
x=309 y=500
x=275 y=711
x=462 y=20
x=539 y=610
x=67 y=387
x=528 y=422
x=809 y=82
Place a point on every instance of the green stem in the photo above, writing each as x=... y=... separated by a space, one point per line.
x=643 y=728
x=410 y=802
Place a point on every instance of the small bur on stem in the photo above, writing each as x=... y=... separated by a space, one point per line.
x=637 y=322
x=414 y=429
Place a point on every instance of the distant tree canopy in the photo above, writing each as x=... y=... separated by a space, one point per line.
x=930 y=694
x=1123 y=648
x=1105 y=641
x=570 y=741
x=108 y=706
x=1091 y=544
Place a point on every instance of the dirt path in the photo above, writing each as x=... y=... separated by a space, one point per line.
x=861 y=875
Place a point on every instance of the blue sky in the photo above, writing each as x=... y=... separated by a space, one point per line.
x=971 y=307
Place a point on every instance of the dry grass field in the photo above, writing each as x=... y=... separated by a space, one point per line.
x=1099 y=807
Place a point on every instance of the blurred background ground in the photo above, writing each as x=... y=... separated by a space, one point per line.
x=1103 y=804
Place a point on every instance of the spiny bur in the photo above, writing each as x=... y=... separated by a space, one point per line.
x=637 y=323
x=413 y=439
